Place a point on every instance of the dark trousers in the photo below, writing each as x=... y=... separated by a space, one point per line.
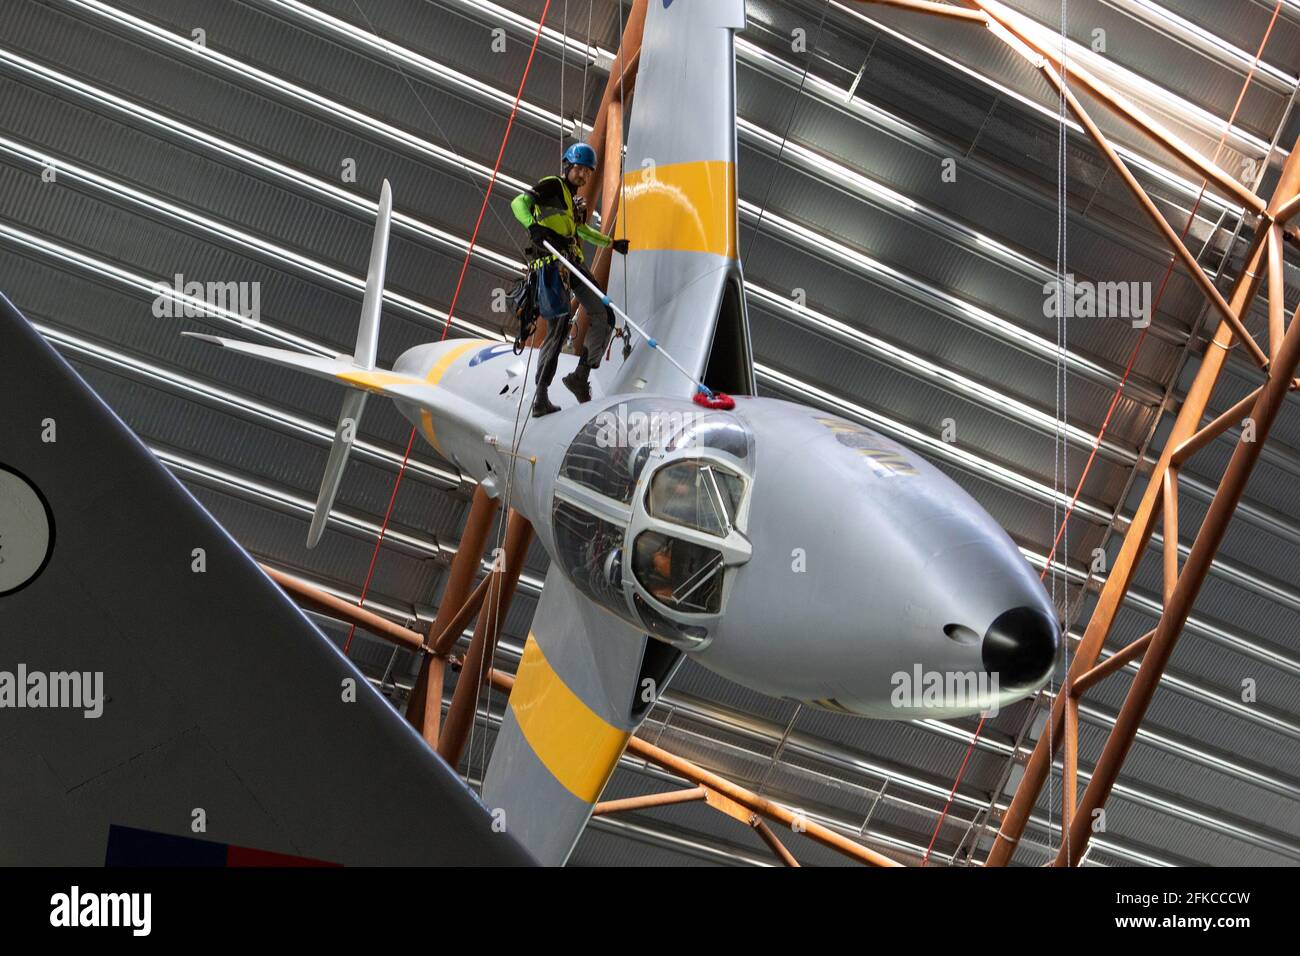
x=553 y=304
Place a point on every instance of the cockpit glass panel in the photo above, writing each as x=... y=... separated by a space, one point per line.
x=610 y=451
x=696 y=494
x=590 y=550
x=680 y=574
x=726 y=488
x=682 y=635
x=723 y=432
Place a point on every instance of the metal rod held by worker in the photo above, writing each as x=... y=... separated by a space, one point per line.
x=650 y=340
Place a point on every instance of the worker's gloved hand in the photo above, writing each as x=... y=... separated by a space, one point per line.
x=539 y=234
x=620 y=246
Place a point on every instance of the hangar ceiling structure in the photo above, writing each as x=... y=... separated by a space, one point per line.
x=878 y=290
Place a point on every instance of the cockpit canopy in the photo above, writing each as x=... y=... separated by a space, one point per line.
x=649 y=514
x=698 y=494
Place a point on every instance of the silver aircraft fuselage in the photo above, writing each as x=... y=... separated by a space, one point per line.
x=792 y=551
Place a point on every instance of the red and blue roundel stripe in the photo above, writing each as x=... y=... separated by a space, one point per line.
x=128 y=846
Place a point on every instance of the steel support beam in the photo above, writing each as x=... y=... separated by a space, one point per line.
x=1186 y=437
x=518 y=536
x=746 y=798
x=1022 y=28
x=1157 y=218
x=773 y=841
x=501 y=590
x=1179 y=604
x=607 y=140
x=1186 y=425
x=358 y=615
x=464 y=566
x=645 y=802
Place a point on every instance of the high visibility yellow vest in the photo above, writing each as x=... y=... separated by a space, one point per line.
x=559 y=219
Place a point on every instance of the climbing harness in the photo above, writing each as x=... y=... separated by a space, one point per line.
x=523 y=303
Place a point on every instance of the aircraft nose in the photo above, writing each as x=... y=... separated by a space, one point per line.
x=1020 y=646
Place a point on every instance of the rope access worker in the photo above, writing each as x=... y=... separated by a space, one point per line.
x=550 y=213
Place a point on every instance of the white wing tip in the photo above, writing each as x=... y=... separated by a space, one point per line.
x=316 y=531
x=204 y=337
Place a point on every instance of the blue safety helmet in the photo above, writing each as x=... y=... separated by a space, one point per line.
x=580 y=154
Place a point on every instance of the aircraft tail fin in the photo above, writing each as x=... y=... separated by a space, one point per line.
x=682 y=278
x=181 y=717
x=356 y=373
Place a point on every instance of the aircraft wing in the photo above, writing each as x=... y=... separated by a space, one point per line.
x=585 y=683
x=343 y=370
x=221 y=702
x=681 y=280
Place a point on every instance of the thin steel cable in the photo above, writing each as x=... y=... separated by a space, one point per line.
x=1060 y=480
x=492 y=603
x=564 y=68
x=1060 y=431
x=496 y=167
x=410 y=441
x=383 y=529
x=1155 y=302
x=397 y=65
x=586 y=65
x=622 y=158
x=517 y=434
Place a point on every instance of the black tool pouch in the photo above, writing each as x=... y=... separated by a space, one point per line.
x=523 y=302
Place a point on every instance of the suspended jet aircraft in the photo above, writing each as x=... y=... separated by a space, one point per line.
x=790 y=550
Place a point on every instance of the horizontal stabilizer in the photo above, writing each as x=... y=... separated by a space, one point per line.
x=368 y=332
x=344 y=435
x=357 y=370
x=319 y=365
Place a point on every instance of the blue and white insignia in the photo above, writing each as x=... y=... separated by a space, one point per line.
x=491 y=352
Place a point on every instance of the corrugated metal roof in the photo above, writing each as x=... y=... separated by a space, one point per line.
x=907 y=270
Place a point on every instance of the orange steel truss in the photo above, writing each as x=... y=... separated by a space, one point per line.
x=1160 y=500
x=721 y=794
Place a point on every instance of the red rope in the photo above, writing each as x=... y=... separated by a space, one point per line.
x=410 y=442
x=492 y=182
x=383 y=528
x=1132 y=359
x=953 y=793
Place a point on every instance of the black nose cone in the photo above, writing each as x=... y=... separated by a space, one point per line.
x=1020 y=647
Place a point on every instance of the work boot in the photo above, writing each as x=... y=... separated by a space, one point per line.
x=576 y=381
x=542 y=404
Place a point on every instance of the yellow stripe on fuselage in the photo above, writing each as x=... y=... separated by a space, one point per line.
x=374 y=381
x=435 y=375
x=440 y=367
x=689 y=207
x=572 y=741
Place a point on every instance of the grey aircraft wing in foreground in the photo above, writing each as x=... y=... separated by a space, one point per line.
x=161 y=699
x=793 y=551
